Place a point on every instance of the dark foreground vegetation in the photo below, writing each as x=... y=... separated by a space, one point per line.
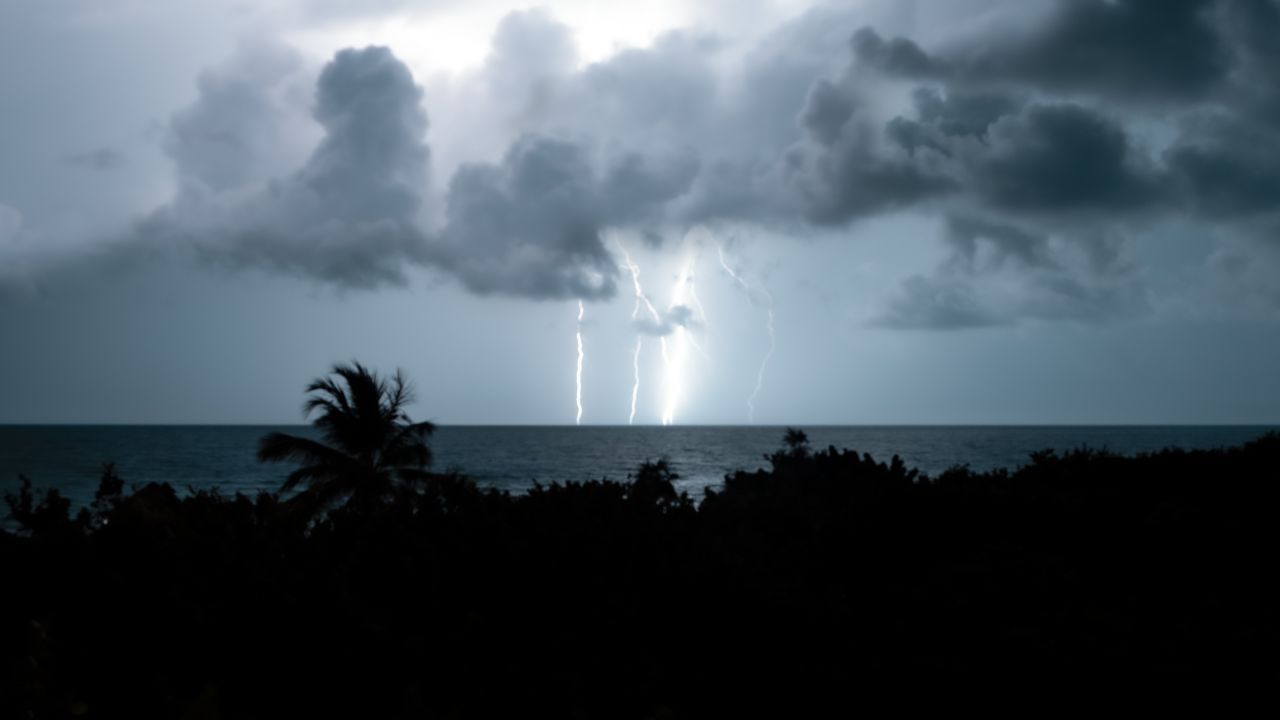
x=829 y=576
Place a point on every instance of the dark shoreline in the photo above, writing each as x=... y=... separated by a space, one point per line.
x=511 y=457
x=828 y=576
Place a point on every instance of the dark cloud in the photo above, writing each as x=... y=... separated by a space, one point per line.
x=990 y=149
x=1128 y=48
x=1060 y=158
x=1206 y=67
x=1030 y=137
x=372 y=163
x=1047 y=180
x=528 y=225
x=826 y=113
x=961 y=112
x=1228 y=169
x=1253 y=26
x=897 y=56
x=635 y=186
x=349 y=216
x=1046 y=159
x=1132 y=49
x=532 y=225
x=843 y=170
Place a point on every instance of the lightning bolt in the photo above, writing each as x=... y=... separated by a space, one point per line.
x=674 y=347
x=578 y=376
x=681 y=339
x=769 y=325
x=642 y=301
x=635 y=386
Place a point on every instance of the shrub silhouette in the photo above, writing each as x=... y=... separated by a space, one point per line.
x=372 y=445
x=828 y=576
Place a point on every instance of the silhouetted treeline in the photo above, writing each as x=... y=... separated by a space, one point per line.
x=827 y=577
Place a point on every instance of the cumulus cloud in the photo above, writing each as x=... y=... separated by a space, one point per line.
x=1060 y=158
x=1043 y=143
x=1131 y=49
x=532 y=224
x=1223 y=167
x=532 y=55
x=844 y=170
x=1197 y=61
x=993 y=150
x=348 y=216
x=248 y=121
x=1046 y=128
x=354 y=214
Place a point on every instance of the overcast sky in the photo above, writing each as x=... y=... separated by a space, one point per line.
x=960 y=211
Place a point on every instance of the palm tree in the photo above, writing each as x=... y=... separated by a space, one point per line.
x=369 y=446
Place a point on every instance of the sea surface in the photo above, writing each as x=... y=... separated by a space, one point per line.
x=513 y=458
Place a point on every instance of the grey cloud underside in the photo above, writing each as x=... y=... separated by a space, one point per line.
x=1132 y=49
x=532 y=225
x=1031 y=140
x=997 y=274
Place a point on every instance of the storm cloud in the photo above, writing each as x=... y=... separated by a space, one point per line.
x=1130 y=49
x=348 y=216
x=1075 y=120
x=938 y=210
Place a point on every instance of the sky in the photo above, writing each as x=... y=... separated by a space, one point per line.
x=761 y=211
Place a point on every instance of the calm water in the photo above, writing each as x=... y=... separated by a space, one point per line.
x=69 y=457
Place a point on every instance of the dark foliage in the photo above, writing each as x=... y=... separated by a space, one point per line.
x=828 y=577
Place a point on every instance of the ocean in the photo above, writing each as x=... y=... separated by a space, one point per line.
x=513 y=458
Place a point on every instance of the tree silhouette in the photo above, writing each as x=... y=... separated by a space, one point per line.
x=370 y=444
x=797 y=442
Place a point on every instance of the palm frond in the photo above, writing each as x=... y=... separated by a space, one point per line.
x=278 y=446
x=335 y=395
x=310 y=476
x=370 y=443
